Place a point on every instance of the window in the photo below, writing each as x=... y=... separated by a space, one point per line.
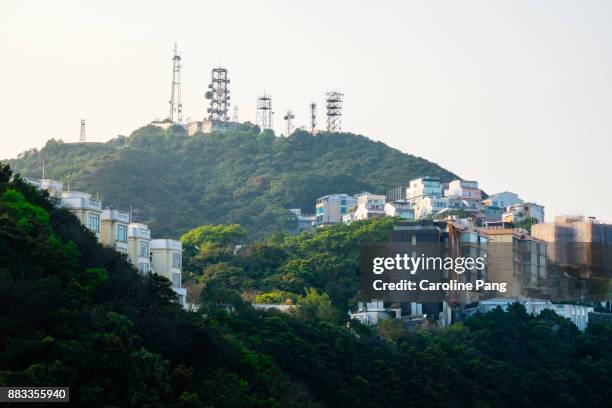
x=176 y=280
x=94 y=222
x=143 y=250
x=122 y=233
x=176 y=260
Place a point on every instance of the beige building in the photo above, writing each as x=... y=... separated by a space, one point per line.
x=85 y=208
x=114 y=229
x=139 y=237
x=166 y=259
x=516 y=258
x=369 y=206
x=577 y=241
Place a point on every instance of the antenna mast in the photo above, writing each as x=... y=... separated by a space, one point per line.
x=235 y=114
x=289 y=116
x=313 y=117
x=264 y=112
x=218 y=93
x=176 y=106
x=82 y=137
x=334 y=111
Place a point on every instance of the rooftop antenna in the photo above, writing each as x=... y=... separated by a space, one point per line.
x=68 y=182
x=289 y=116
x=82 y=137
x=264 y=112
x=43 y=172
x=176 y=106
x=235 y=114
x=334 y=101
x=313 y=117
x=218 y=93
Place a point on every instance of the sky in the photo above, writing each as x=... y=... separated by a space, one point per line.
x=514 y=94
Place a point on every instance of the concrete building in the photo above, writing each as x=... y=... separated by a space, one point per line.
x=211 y=126
x=369 y=206
x=502 y=200
x=85 y=208
x=429 y=206
x=578 y=314
x=373 y=312
x=53 y=187
x=581 y=243
x=305 y=221
x=423 y=187
x=466 y=191
x=139 y=237
x=521 y=212
x=517 y=259
x=114 y=229
x=166 y=260
x=331 y=208
x=402 y=209
x=164 y=124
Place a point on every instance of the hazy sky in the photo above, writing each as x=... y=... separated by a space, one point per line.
x=514 y=94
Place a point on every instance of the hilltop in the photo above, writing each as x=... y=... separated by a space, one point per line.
x=176 y=182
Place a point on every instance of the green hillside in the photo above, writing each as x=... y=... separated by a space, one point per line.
x=76 y=314
x=175 y=182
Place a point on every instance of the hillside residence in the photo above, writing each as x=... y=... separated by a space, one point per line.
x=423 y=187
x=331 y=208
x=305 y=222
x=578 y=314
x=402 y=209
x=85 y=208
x=502 y=200
x=373 y=312
x=166 y=260
x=114 y=229
x=139 y=237
x=369 y=206
x=516 y=258
x=521 y=212
x=466 y=191
x=579 y=242
x=53 y=187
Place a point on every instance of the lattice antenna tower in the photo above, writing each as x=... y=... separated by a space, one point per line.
x=334 y=101
x=264 y=112
x=218 y=93
x=176 y=105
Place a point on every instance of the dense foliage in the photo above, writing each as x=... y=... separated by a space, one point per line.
x=175 y=182
x=73 y=313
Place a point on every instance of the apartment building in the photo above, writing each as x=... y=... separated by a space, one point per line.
x=369 y=206
x=466 y=191
x=166 y=260
x=114 y=229
x=502 y=200
x=53 y=187
x=516 y=258
x=85 y=208
x=331 y=208
x=305 y=222
x=525 y=211
x=139 y=238
x=402 y=209
x=423 y=187
x=583 y=243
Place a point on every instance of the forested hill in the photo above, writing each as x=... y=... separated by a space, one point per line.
x=176 y=182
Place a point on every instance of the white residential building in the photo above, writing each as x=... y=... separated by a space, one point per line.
x=305 y=222
x=372 y=312
x=85 y=208
x=53 y=187
x=139 y=237
x=466 y=191
x=502 y=200
x=525 y=211
x=369 y=206
x=428 y=206
x=166 y=259
x=578 y=314
x=423 y=187
x=402 y=209
x=114 y=229
x=331 y=208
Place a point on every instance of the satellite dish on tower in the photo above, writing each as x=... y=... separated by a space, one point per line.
x=208 y=95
